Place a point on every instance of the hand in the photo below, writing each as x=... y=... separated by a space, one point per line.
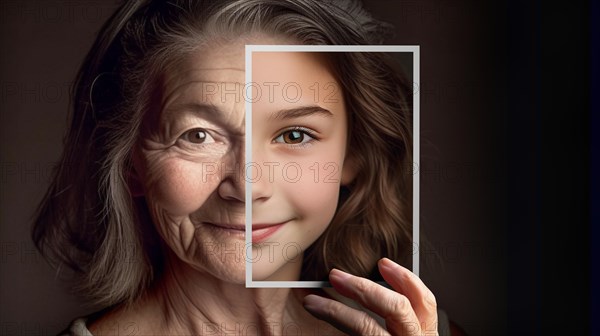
x=410 y=310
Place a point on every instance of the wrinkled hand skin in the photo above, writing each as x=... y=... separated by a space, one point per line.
x=409 y=309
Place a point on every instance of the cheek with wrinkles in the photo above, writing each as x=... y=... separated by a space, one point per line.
x=181 y=187
x=175 y=230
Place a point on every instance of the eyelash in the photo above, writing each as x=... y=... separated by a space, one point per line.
x=303 y=130
x=185 y=136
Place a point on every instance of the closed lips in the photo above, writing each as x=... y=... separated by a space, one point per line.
x=260 y=232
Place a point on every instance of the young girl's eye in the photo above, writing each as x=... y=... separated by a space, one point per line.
x=294 y=137
x=198 y=136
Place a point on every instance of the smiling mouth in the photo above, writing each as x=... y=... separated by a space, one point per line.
x=260 y=232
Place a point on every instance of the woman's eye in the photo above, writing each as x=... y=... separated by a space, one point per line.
x=198 y=136
x=293 y=137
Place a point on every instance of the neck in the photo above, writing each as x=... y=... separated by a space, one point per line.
x=190 y=301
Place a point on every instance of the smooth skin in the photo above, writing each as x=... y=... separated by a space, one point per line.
x=305 y=130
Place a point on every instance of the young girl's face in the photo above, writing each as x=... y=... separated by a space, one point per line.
x=299 y=131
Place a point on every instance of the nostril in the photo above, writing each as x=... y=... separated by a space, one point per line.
x=231 y=190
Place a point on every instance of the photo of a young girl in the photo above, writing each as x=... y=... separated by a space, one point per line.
x=332 y=140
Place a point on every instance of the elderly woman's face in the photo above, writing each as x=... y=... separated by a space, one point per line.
x=191 y=160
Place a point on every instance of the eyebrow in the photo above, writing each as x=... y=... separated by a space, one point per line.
x=214 y=111
x=200 y=108
x=206 y=110
x=301 y=111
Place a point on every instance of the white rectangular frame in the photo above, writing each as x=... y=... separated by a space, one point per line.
x=416 y=154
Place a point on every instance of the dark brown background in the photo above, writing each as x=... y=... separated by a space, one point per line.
x=466 y=181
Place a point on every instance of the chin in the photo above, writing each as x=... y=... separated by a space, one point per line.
x=226 y=267
x=270 y=271
x=258 y=275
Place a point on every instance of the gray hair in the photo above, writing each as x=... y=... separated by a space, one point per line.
x=89 y=221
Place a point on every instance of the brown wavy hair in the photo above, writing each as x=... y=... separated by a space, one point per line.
x=89 y=221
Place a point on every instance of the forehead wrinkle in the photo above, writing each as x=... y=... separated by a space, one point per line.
x=209 y=111
x=235 y=110
x=182 y=90
x=218 y=68
x=193 y=107
x=200 y=75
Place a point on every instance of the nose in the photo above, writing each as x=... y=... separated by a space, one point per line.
x=232 y=185
x=261 y=176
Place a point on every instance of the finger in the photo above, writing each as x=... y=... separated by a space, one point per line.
x=344 y=318
x=406 y=282
x=394 y=307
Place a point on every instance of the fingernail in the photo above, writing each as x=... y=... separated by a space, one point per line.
x=312 y=302
x=339 y=275
x=387 y=263
x=391 y=266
